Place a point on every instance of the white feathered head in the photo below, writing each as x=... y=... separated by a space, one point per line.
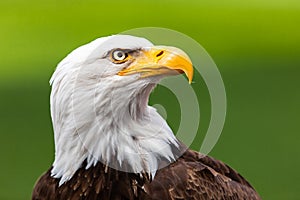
x=99 y=106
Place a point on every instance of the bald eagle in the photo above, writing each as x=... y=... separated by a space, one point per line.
x=110 y=144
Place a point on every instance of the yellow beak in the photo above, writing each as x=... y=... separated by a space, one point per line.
x=160 y=60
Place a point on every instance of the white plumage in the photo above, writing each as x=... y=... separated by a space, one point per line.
x=101 y=122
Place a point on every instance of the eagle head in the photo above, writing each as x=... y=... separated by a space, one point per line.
x=100 y=111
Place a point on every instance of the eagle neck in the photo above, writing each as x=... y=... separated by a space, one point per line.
x=138 y=104
x=113 y=126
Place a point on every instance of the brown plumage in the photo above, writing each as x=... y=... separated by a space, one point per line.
x=192 y=176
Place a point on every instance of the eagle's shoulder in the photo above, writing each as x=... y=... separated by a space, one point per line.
x=192 y=176
x=45 y=187
x=196 y=176
x=97 y=182
x=85 y=184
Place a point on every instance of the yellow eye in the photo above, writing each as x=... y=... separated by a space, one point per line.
x=119 y=55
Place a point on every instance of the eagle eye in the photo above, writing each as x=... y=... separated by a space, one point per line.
x=119 y=55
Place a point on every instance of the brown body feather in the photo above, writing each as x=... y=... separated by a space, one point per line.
x=192 y=176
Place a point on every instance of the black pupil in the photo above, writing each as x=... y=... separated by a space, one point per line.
x=120 y=54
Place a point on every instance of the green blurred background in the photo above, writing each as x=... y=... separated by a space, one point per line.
x=256 y=46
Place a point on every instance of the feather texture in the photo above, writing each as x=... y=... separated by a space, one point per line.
x=192 y=176
x=109 y=144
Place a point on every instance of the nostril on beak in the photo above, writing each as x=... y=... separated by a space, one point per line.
x=159 y=54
